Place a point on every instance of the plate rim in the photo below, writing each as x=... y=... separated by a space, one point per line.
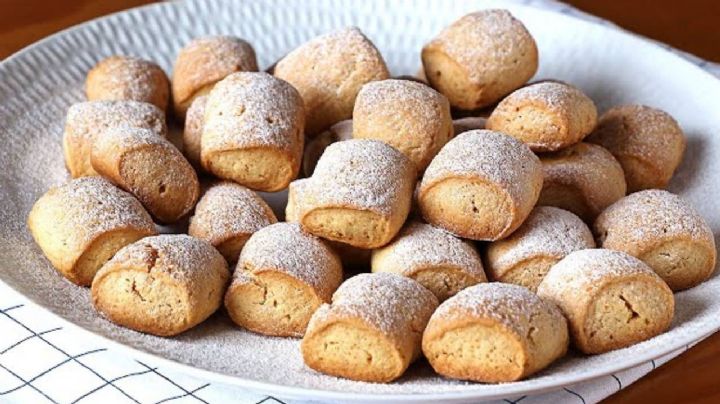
x=274 y=389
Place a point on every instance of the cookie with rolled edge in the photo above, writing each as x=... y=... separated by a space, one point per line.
x=253 y=131
x=205 y=61
x=648 y=143
x=611 y=299
x=480 y=58
x=85 y=120
x=162 y=285
x=461 y=125
x=283 y=275
x=665 y=232
x=409 y=116
x=583 y=178
x=354 y=259
x=482 y=185
x=359 y=194
x=227 y=215
x=441 y=262
x=148 y=166
x=315 y=147
x=82 y=224
x=372 y=329
x=192 y=131
x=128 y=78
x=329 y=71
x=494 y=333
x=546 y=236
x=546 y=116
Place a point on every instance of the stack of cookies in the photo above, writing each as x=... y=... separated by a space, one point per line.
x=494 y=223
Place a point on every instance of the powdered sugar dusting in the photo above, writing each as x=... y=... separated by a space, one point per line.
x=493 y=156
x=547 y=232
x=86 y=119
x=394 y=304
x=129 y=78
x=510 y=305
x=249 y=109
x=286 y=247
x=425 y=103
x=360 y=173
x=228 y=209
x=419 y=245
x=192 y=133
x=651 y=215
x=185 y=259
x=589 y=270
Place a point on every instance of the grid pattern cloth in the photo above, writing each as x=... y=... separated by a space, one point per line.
x=42 y=362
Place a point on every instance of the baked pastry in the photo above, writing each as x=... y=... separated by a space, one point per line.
x=205 y=61
x=192 y=132
x=372 y=329
x=80 y=225
x=253 y=132
x=481 y=186
x=283 y=275
x=409 y=116
x=480 y=58
x=227 y=215
x=354 y=259
x=546 y=237
x=128 y=78
x=328 y=71
x=610 y=299
x=546 y=116
x=665 y=232
x=461 y=125
x=315 y=147
x=493 y=333
x=161 y=285
x=583 y=178
x=441 y=262
x=648 y=143
x=148 y=166
x=359 y=194
x=85 y=120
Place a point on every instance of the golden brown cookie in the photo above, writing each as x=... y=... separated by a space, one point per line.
x=283 y=275
x=494 y=332
x=192 y=132
x=546 y=116
x=648 y=143
x=441 y=262
x=611 y=299
x=665 y=232
x=481 y=186
x=161 y=285
x=546 y=237
x=372 y=329
x=128 y=78
x=85 y=120
x=461 y=125
x=315 y=147
x=409 y=116
x=82 y=224
x=584 y=179
x=480 y=58
x=227 y=215
x=253 y=131
x=329 y=71
x=205 y=61
x=148 y=166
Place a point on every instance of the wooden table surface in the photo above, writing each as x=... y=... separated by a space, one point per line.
x=690 y=25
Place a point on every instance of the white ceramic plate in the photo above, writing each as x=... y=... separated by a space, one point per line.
x=38 y=84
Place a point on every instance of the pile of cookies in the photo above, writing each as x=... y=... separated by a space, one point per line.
x=490 y=243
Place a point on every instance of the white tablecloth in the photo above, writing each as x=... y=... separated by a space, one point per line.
x=40 y=361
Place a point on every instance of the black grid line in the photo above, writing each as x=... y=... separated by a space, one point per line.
x=25 y=383
x=617 y=379
x=575 y=394
x=28 y=338
x=75 y=359
x=187 y=392
x=190 y=393
x=264 y=400
x=514 y=401
x=95 y=390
